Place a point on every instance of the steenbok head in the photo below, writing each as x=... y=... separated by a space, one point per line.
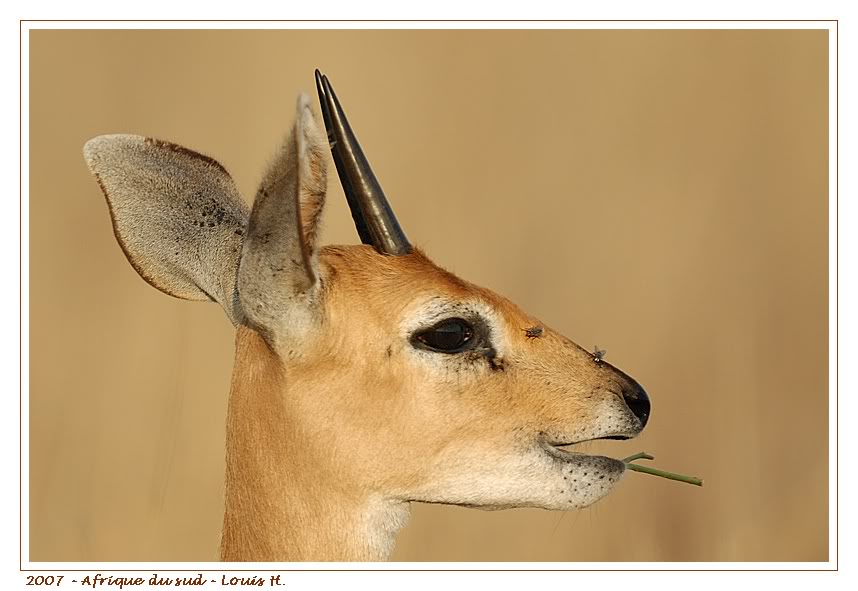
x=366 y=377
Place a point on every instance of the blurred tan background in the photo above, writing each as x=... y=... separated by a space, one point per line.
x=662 y=194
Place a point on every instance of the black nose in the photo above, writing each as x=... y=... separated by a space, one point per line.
x=637 y=401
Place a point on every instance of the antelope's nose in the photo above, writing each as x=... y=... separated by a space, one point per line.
x=637 y=401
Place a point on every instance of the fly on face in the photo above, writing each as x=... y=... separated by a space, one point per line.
x=534 y=332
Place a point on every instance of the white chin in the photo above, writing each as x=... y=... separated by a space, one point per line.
x=579 y=479
x=547 y=478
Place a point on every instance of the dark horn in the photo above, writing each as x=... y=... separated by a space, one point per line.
x=374 y=219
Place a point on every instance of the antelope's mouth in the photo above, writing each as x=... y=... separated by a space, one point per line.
x=563 y=449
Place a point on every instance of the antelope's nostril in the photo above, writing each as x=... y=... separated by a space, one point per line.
x=637 y=401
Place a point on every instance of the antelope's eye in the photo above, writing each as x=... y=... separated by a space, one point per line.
x=448 y=336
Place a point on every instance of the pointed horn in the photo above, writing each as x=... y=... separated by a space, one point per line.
x=374 y=219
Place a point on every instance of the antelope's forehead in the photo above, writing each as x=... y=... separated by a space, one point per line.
x=397 y=278
x=413 y=288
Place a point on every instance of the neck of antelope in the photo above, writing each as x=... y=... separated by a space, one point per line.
x=279 y=506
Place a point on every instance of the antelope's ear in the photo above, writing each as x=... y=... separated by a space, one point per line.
x=278 y=278
x=176 y=214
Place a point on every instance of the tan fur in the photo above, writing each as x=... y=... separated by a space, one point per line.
x=284 y=500
x=338 y=419
x=347 y=428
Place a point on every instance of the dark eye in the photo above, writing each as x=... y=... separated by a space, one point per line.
x=448 y=336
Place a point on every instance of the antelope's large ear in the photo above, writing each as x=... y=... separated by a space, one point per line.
x=176 y=214
x=278 y=278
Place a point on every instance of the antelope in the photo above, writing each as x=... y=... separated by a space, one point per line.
x=366 y=377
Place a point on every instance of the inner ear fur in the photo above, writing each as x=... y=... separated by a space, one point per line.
x=176 y=214
x=183 y=226
x=278 y=282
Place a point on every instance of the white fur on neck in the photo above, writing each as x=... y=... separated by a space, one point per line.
x=382 y=521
